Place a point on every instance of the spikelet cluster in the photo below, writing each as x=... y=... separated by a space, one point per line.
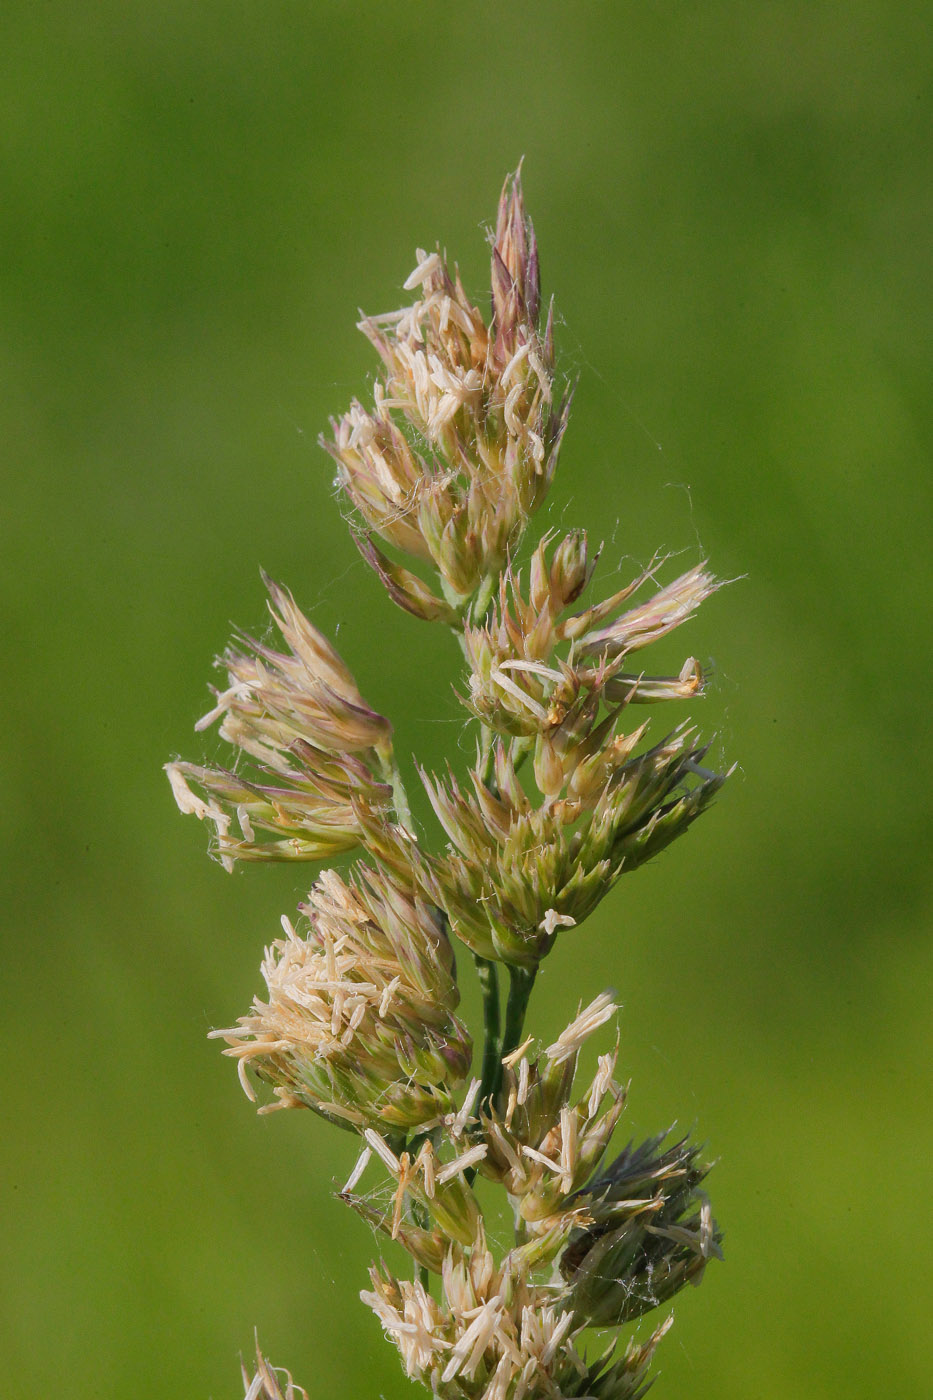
x=358 y=1021
x=443 y=473
x=647 y=1230
x=553 y=687
x=495 y=1335
x=315 y=748
x=461 y=443
x=601 y=1246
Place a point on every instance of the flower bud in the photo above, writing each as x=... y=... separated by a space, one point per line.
x=571 y=568
x=548 y=768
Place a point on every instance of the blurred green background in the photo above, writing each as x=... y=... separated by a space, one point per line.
x=733 y=207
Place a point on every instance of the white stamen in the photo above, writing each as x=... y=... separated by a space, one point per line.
x=384 y=318
x=512 y=420
x=473 y=1342
x=427 y=263
x=241 y=1074
x=236 y=692
x=426 y=1157
x=514 y=363
x=568 y=1148
x=536 y=1156
x=460 y=318
x=590 y=1019
x=602 y=1083
x=362 y=1162
x=543 y=376
x=386 y=999
x=537 y=667
x=498 y=1387
x=383 y=1151
x=537 y=448
x=512 y=689
x=460 y=1119
x=188 y=802
x=552 y=920
x=510 y=1061
x=557 y=1336
x=460 y=1164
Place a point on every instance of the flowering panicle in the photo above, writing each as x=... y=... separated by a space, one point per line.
x=624 y=1238
x=517 y=870
x=358 y=1022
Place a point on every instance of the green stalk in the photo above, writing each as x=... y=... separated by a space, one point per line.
x=487 y=758
x=422 y=1220
x=522 y=979
x=492 y=1044
x=519 y=750
x=492 y=1040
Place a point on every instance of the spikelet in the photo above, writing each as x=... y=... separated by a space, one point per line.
x=270 y=1382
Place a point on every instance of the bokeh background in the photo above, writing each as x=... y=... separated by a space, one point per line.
x=733 y=208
